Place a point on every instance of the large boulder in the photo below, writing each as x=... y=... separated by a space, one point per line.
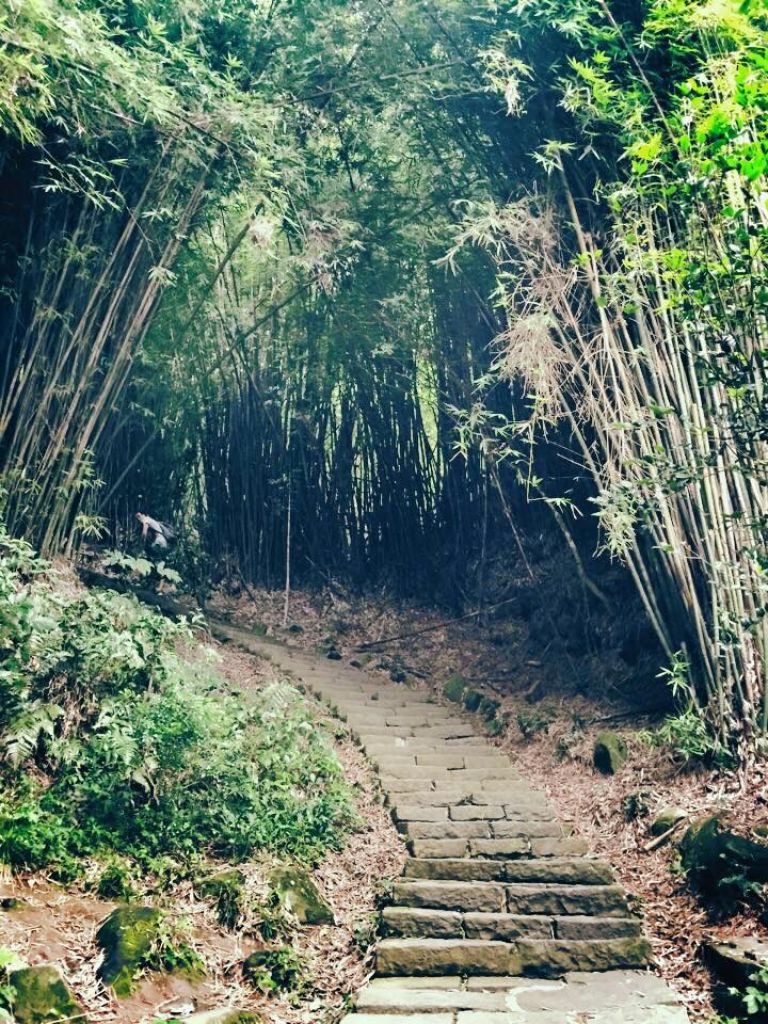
x=297 y=894
x=127 y=937
x=40 y=995
x=609 y=753
x=710 y=854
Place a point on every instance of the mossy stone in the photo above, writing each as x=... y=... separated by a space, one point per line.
x=610 y=753
x=472 y=699
x=454 y=688
x=126 y=937
x=711 y=853
x=41 y=995
x=666 y=819
x=488 y=708
x=298 y=894
x=226 y=888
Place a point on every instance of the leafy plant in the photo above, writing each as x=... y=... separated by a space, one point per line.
x=530 y=724
x=9 y=960
x=136 y=751
x=755 y=996
x=278 y=969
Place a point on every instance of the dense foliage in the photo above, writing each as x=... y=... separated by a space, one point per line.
x=111 y=741
x=634 y=297
x=256 y=259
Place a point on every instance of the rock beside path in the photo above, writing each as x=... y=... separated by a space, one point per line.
x=610 y=753
x=40 y=995
x=127 y=937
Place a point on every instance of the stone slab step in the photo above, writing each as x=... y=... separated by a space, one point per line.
x=434 y=823
x=496 y=849
x=529 y=957
x=610 y=997
x=378 y=998
x=516 y=898
x=488 y=897
x=569 y=870
x=407 y=922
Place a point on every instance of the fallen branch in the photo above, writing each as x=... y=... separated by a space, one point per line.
x=431 y=629
x=660 y=840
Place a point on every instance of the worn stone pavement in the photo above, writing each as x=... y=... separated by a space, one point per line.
x=501 y=916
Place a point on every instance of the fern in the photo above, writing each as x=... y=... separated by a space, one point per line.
x=26 y=731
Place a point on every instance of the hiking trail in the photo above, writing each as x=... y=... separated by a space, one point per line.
x=500 y=915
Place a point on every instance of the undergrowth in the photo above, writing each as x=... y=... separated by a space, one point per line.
x=111 y=742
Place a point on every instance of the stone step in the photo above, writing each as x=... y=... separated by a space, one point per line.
x=497 y=849
x=489 y=897
x=629 y=997
x=568 y=870
x=515 y=898
x=407 y=922
x=529 y=957
x=389 y=995
x=434 y=823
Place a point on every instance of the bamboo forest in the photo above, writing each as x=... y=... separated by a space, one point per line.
x=384 y=511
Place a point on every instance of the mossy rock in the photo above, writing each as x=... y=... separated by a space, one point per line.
x=495 y=726
x=226 y=889
x=127 y=937
x=40 y=995
x=472 y=699
x=488 y=708
x=297 y=893
x=454 y=688
x=710 y=854
x=666 y=819
x=610 y=753
x=737 y=964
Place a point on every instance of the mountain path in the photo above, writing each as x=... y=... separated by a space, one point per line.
x=500 y=915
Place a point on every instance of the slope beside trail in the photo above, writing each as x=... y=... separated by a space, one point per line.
x=500 y=915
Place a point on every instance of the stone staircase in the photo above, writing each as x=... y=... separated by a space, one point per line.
x=494 y=886
x=495 y=891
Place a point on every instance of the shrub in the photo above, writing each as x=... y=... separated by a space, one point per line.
x=133 y=749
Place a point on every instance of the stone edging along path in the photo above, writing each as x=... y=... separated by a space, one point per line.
x=500 y=916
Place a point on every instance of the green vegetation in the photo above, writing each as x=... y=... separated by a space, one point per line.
x=113 y=743
x=388 y=292
x=280 y=968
